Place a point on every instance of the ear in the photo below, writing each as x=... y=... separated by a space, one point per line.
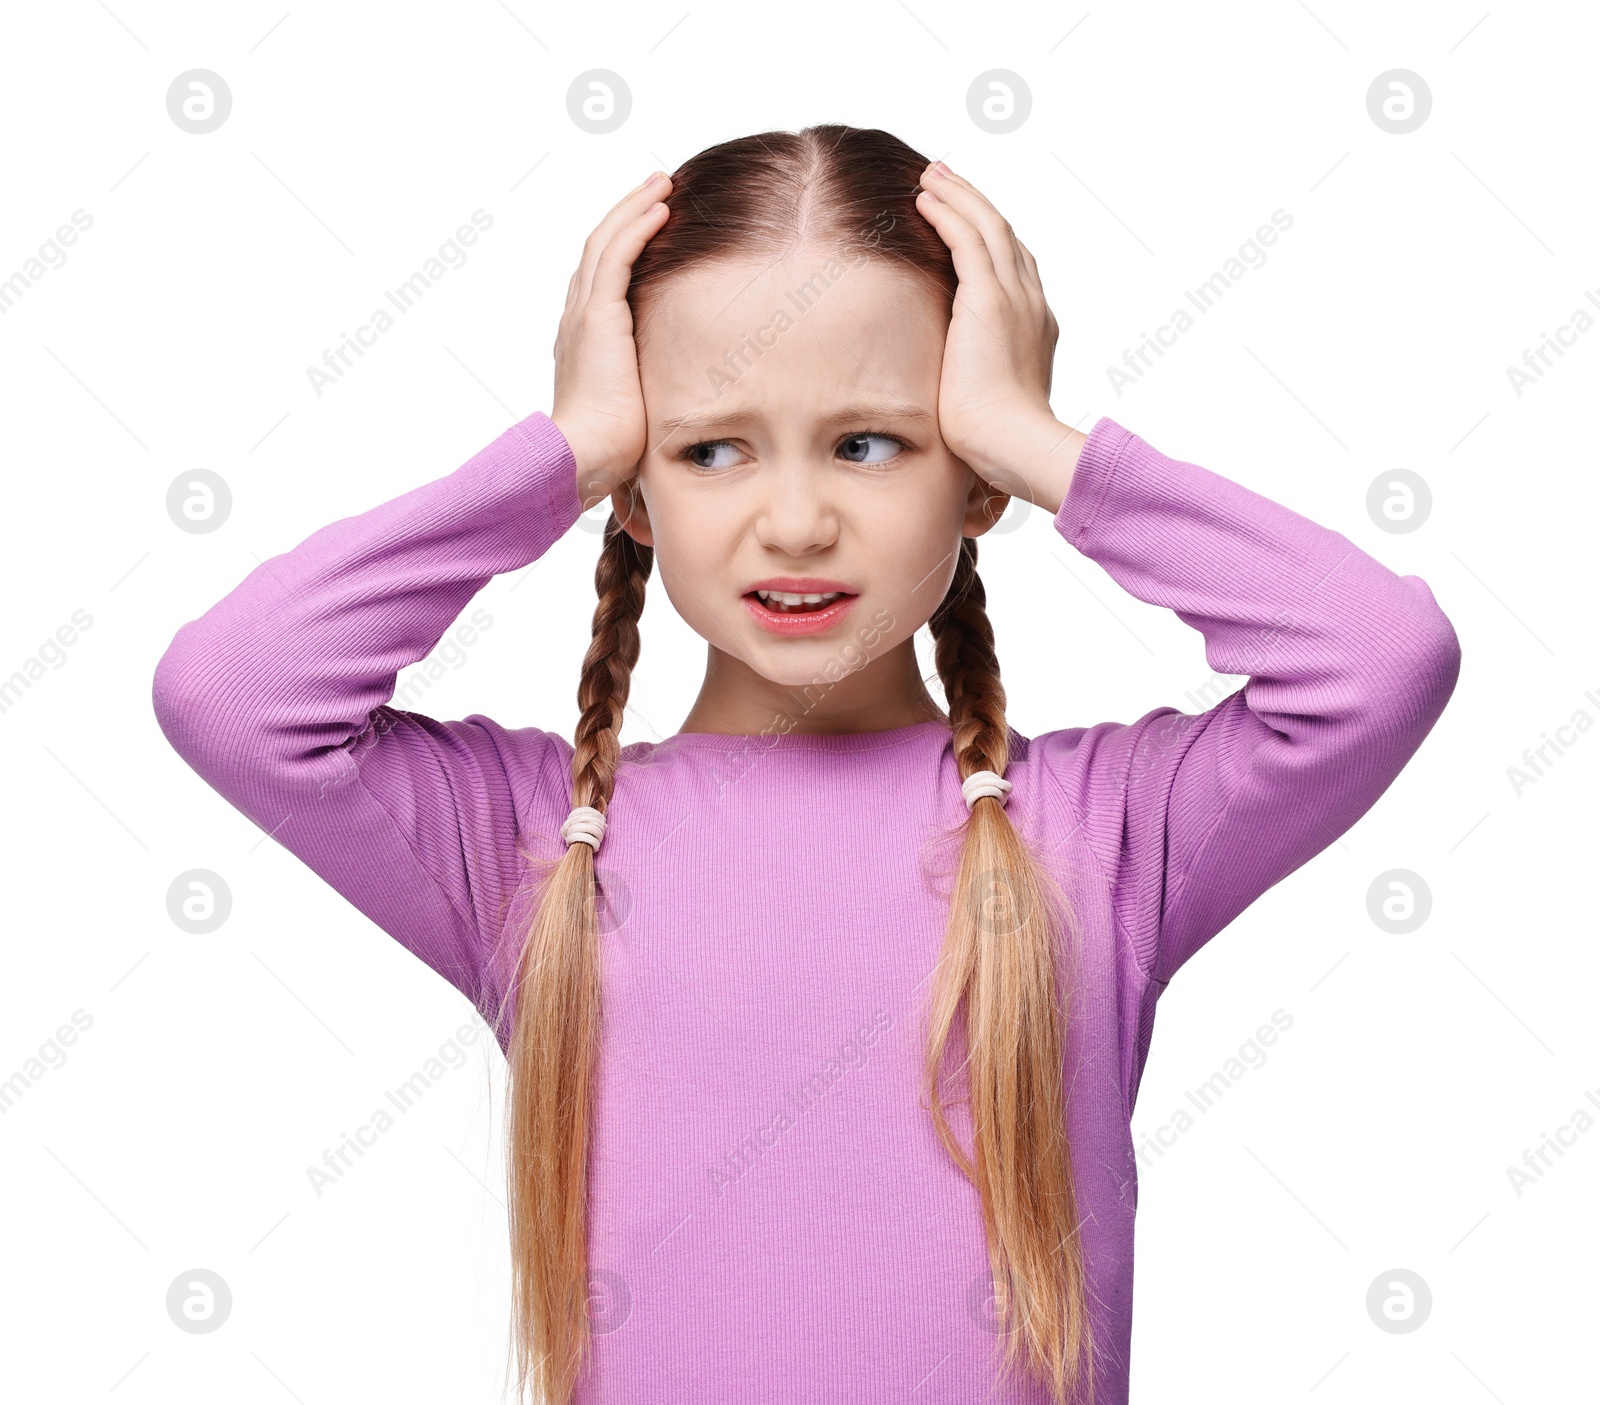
x=627 y=501
x=985 y=506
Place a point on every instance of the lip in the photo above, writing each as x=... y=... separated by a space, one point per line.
x=801 y=585
x=790 y=626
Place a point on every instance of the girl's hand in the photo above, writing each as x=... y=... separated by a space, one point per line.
x=598 y=404
x=994 y=386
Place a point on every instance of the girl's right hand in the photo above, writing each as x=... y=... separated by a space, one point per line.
x=598 y=405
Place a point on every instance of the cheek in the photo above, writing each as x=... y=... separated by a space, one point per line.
x=693 y=548
x=912 y=567
x=915 y=550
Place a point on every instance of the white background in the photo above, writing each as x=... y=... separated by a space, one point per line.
x=177 y=335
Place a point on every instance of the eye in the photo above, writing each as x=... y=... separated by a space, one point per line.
x=857 y=447
x=704 y=456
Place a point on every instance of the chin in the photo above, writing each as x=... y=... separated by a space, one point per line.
x=815 y=663
x=790 y=663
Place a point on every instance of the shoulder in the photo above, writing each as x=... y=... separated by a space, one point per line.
x=537 y=766
x=1087 y=772
x=1099 y=760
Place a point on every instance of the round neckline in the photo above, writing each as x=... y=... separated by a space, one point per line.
x=806 y=741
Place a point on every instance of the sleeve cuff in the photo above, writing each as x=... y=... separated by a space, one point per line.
x=1091 y=478
x=556 y=462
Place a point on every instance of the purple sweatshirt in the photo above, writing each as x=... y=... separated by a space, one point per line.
x=772 y=1218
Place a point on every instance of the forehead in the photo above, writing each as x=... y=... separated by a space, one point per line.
x=809 y=324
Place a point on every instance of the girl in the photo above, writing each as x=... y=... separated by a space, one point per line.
x=825 y=1016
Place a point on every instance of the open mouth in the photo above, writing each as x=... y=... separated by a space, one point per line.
x=798 y=612
x=785 y=602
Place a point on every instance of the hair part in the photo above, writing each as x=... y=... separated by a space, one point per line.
x=996 y=988
x=766 y=196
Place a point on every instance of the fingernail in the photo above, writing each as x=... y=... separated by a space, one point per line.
x=651 y=179
x=941 y=168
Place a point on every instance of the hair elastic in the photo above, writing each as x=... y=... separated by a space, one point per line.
x=585 y=825
x=981 y=783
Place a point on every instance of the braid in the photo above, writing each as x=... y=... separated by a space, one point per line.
x=553 y=1048
x=619 y=581
x=998 y=972
x=965 y=657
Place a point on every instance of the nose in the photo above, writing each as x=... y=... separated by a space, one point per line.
x=797 y=516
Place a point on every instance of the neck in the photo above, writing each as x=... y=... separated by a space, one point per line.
x=887 y=693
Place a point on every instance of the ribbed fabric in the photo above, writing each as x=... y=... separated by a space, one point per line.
x=772 y=1217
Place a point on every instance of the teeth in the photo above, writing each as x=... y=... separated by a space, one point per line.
x=791 y=600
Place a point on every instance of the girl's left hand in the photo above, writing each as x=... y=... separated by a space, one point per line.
x=994 y=386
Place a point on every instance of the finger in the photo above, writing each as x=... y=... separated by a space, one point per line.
x=1029 y=264
x=627 y=209
x=1030 y=275
x=991 y=224
x=974 y=264
x=614 y=267
x=1004 y=246
x=997 y=227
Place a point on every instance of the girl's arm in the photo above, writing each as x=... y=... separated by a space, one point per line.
x=278 y=696
x=1349 y=664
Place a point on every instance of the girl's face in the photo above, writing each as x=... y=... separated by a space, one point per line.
x=793 y=445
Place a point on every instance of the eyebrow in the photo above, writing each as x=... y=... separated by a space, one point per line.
x=862 y=412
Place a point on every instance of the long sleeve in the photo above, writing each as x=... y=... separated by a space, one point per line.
x=278 y=696
x=1349 y=665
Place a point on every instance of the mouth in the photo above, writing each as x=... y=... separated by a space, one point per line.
x=796 y=612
